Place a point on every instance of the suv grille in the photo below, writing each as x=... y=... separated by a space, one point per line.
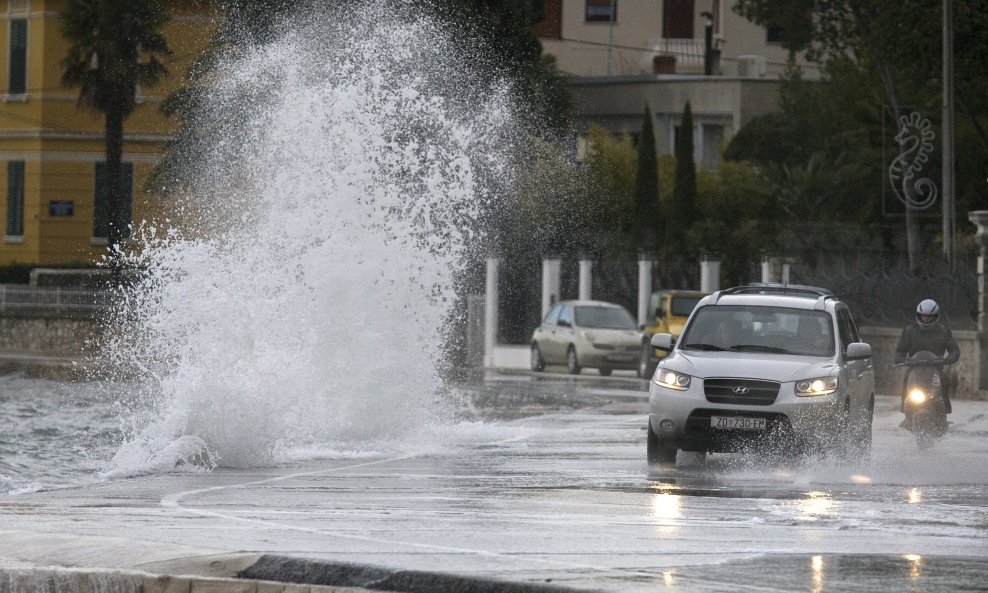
x=741 y=391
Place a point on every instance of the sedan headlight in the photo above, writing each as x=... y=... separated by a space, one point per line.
x=672 y=380
x=818 y=386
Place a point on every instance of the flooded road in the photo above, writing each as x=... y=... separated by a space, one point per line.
x=551 y=488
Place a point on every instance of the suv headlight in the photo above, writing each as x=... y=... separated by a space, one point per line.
x=672 y=380
x=817 y=386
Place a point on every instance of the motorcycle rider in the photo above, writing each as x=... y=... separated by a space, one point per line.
x=927 y=333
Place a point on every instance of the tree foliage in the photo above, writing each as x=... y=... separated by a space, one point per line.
x=874 y=53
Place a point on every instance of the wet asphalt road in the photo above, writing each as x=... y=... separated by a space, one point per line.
x=552 y=489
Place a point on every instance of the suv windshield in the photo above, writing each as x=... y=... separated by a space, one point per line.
x=760 y=329
x=604 y=318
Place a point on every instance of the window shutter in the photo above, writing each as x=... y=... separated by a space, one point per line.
x=15 y=198
x=18 y=57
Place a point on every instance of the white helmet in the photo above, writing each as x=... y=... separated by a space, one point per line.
x=927 y=313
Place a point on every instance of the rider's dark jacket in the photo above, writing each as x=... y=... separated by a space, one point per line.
x=937 y=339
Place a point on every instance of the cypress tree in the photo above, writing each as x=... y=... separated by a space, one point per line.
x=684 y=208
x=646 y=223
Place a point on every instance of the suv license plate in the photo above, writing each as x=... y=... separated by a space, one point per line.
x=737 y=422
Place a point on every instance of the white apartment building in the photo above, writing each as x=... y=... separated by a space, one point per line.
x=624 y=54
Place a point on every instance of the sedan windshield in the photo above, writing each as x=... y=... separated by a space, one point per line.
x=683 y=306
x=603 y=317
x=760 y=329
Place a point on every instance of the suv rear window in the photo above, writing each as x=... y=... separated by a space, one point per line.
x=760 y=329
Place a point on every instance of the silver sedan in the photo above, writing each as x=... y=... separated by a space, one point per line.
x=593 y=334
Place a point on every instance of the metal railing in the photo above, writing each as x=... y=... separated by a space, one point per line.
x=20 y=299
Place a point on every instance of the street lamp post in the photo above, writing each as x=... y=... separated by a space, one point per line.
x=949 y=224
x=708 y=43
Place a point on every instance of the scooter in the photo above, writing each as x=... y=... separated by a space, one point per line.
x=923 y=403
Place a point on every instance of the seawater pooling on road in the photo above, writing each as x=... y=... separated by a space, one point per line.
x=565 y=495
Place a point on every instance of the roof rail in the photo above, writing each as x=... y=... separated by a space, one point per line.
x=774 y=288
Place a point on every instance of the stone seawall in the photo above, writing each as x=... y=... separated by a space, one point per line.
x=49 y=346
x=888 y=380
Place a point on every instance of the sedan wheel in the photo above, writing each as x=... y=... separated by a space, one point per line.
x=572 y=364
x=538 y=363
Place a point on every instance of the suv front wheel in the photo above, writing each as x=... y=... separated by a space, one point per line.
x=658 y=452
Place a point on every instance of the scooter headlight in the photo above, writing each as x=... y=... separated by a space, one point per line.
x=917 y=396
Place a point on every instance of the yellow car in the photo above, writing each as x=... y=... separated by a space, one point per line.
x=668 y=311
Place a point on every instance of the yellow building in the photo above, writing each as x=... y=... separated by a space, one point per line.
x=51 y=149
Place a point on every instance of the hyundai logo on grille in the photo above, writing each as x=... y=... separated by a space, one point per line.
x=741 y=390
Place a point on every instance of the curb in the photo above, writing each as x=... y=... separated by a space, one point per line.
x=318 y=572
x=62 y=580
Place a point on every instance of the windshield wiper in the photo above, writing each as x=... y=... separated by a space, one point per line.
x=759 y=348
x=701 y=346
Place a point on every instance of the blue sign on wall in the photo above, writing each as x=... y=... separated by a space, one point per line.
x=61 y=208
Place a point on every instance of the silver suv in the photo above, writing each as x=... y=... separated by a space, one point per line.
x=764 y=364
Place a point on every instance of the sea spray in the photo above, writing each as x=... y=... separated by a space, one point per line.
x=295 y=300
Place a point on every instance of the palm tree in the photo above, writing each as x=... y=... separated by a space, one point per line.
x=113 y=49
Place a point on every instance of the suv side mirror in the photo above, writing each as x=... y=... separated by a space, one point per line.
x=662 y=341
x=564 y=323
x=858 y=351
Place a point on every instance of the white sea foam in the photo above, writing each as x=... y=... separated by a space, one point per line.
x=295 y=304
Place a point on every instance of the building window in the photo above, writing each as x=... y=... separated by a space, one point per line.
x=551 y=25
x=15 y=198
x=790 y=29
x=677 y=19
x=101 y=215
x=713 y=141
x=17 y=83
x=601 y=11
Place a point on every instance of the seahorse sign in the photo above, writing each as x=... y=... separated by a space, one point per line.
x=915 y=140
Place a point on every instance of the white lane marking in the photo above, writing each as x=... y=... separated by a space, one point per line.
x=173 y=502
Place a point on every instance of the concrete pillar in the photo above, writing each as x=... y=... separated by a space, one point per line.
x=551 y=267
x=586 y=279
x=766 y=270
x=710 y=274
x=645 y=263
x=776 y=269
x=491 y=311
x=980 y=219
